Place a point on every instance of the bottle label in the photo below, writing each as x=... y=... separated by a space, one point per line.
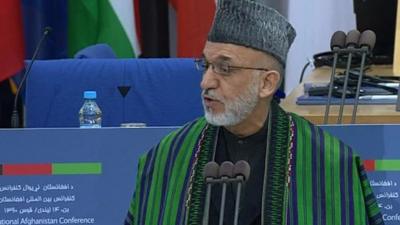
x=90 y=126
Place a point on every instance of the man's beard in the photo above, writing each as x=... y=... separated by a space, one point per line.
x=236 y=110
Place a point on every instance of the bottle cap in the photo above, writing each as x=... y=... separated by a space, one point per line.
x=89 y=95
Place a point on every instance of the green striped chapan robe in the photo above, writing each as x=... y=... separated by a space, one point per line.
x=313 y=178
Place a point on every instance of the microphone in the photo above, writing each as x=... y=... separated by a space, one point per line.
x=367 y=43
x=210 y=174
x=15 y=114
x=242 y=172
x=351 y=43
x=367 y=40
x=225 y=172
x=352 y=38
x=338 y=40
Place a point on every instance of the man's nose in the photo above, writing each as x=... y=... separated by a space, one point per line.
x=210 y=80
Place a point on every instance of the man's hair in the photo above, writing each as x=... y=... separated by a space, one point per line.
x=272 y=63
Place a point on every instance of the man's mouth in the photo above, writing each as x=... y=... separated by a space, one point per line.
x=210 y=102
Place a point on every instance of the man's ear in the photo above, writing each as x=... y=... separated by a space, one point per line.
x=269 y=83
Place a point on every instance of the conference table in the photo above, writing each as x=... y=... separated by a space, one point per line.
x=87 y=176
x=366 y=114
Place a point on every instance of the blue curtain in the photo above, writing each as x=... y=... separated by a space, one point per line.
x=39 y=14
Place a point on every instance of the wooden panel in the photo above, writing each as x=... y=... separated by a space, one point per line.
x=396 y=60
x=366 y=114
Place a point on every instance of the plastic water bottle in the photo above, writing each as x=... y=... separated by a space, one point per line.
x=90 y=113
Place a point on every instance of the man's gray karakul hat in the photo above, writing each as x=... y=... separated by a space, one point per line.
x=252 y=24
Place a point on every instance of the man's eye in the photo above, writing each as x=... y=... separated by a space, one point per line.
x=224 y=68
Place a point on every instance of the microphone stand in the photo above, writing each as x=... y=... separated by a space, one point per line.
x=207 y=201
x=351 y=42
x=223 y=197
x=15 y=114
x=359 y=82
x=337 y=42
x=344 y=90
x=367 y=43
x=237 y=202
x=328 y=104
x=225 y=174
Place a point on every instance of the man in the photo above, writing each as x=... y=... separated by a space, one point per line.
x=299 y=174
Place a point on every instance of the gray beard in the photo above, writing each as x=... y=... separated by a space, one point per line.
x=236 y=110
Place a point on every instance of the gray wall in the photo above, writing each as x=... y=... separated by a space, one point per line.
x=315 y=21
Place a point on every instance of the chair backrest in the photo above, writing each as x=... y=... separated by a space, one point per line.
x=162 y=92
x=97 y=51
